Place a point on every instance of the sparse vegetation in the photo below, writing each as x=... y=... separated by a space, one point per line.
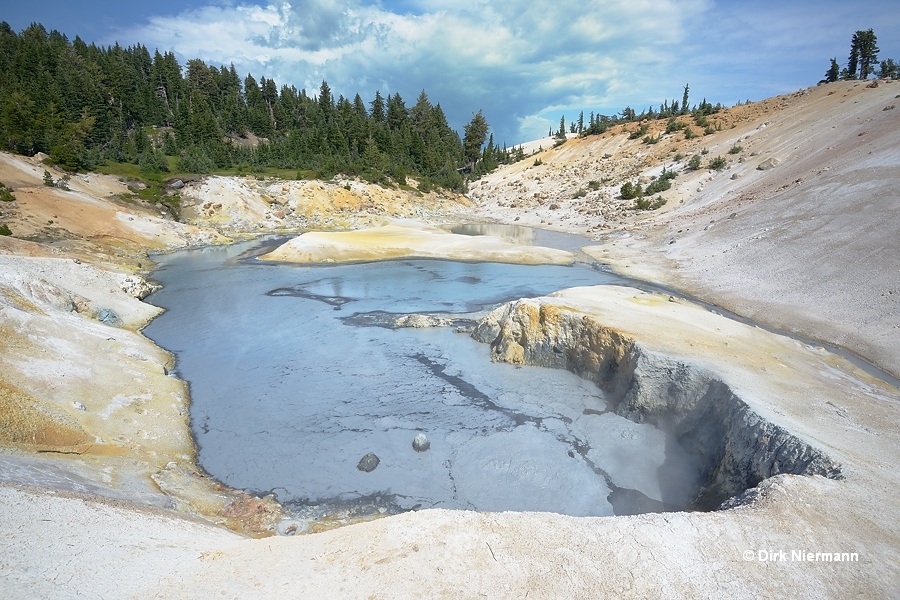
x=4 y=229
x=594 y=185
x=694 y=163
x=649 y=203
x=537 y=162
x=735 y=149
x=639 y=132
x=6 y=193
x=580 y=193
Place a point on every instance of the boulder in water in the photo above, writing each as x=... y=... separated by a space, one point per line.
x=368 y=462
x=421 y=443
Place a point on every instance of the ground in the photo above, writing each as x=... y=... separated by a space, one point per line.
x=102 y=496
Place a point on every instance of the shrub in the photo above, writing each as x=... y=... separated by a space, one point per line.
x=594 y=185
x=673 y=125
x=678 y=156
x=48 y=179
x=581 y=193
x=4 y=229
x=649 y=139
x=735 y=149
x=718 y=163
x=694 y=163
x=657 y=186
x=538 y=162
x=152 y=161
x=649 y=203
x=689 y=133
x=6 y=193
x=629 y=191
x=640 y=131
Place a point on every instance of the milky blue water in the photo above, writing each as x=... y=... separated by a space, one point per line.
x=294 y=377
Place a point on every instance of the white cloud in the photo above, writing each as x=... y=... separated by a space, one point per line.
x=522 y=61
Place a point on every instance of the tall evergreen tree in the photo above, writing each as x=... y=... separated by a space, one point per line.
x=476 y=133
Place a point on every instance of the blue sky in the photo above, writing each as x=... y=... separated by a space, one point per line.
x=524 y=62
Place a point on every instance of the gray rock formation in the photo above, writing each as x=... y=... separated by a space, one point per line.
x=737 y=448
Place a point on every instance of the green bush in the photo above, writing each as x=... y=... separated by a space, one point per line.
x=718 y=163
x=581 y=193
x=629 y=191
x=153 y=161
x=678 y=156
x=735 y=149
x=689 y=133
x=657 y=186
x=6 y=193
x=4 y=229
x=694 y=163
x=639 y=132
x=649 y=203
x=48 y=179
x=538 y=162
x=594 y=185
x=674 y=125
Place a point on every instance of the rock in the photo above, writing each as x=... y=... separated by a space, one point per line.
x=177 y=184
x=138 y=287
x=108 y=316
x=767 y=164
x=421 y=443
x=288 y=527
x=368 y=463
x=78 y=405
x=420 y=321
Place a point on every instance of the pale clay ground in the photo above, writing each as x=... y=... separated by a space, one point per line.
x=96 y=426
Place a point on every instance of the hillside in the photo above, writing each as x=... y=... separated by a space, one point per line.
x=806 y=246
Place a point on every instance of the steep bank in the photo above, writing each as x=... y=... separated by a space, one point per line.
x=682 y=386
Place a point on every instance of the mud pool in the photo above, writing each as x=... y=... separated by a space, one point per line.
x=295 y=374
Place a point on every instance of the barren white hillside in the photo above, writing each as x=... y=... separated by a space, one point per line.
x=808 y=245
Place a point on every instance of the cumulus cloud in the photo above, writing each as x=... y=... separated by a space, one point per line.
x=523 y=62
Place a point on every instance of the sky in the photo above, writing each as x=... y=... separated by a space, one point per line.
x=524 y=63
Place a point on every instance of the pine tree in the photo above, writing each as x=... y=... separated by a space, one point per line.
x=863 y=55
x=476 y=133
x=833 y=73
